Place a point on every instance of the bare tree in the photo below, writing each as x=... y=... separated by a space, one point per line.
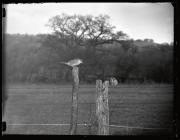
x=89 y=31
x=78 y=30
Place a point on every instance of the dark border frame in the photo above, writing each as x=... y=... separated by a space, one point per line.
x=175 y=67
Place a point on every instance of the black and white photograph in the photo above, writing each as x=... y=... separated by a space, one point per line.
x=88 y=69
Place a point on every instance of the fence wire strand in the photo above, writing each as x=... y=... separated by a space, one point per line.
x=84 y=124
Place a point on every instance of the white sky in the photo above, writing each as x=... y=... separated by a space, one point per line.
x=138 y=20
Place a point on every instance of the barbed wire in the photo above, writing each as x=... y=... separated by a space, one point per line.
x=57 y=88
x=133 y=127
x=85 y=124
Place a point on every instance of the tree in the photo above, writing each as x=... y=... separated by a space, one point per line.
x=78 y=30
x=36 y=59
x=79 y=27
x=91 y=32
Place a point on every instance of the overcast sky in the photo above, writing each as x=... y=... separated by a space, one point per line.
x=138 y=20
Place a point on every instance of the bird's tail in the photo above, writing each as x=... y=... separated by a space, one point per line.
x=64 y=63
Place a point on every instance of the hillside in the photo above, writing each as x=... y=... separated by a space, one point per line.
x=34 y=58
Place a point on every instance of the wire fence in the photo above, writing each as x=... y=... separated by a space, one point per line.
x=116 y=108
x=85 y=124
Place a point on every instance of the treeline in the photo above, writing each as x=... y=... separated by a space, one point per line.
x=37 y=58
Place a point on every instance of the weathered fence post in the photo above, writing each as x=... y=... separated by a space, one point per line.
x=102 y=108
x=74 y=109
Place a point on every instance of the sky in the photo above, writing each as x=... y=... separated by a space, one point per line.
x=138 y=20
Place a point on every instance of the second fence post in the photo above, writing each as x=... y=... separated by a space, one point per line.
x=74 y=109
x=102 y=108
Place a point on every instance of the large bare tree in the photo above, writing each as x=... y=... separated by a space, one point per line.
x=78 y=30
x=89 y=31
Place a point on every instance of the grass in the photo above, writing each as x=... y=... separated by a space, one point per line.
x=130 y=105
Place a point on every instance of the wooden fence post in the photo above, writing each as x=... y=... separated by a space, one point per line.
x=74 y=109
x=102 y=108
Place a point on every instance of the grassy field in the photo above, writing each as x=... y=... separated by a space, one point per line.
x=146 y=106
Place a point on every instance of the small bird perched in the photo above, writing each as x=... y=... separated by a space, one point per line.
x=113 y=81
x=73 y=62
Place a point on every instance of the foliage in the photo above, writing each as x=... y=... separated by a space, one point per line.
x=104 y=52
x=36 y=59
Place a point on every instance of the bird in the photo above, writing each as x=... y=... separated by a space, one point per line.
x=73 y=62
x=113 y=81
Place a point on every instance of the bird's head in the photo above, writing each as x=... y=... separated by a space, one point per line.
x=80 y=61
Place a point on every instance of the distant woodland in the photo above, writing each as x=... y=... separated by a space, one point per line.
x=36 y=58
